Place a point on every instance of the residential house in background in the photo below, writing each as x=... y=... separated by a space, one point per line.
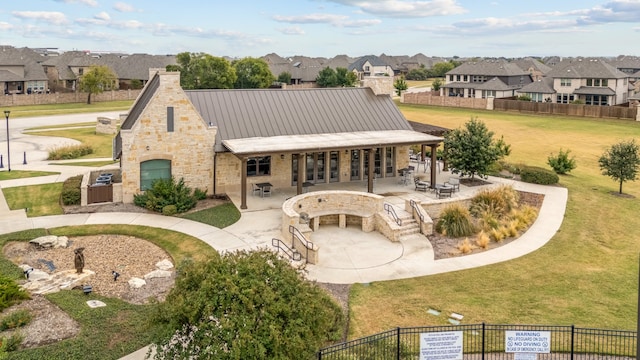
x=540 y=90
x=484 y=79
x=589 y=80
x=21 y=72
x=370 y=65
x=225 y=141
x=534 y=67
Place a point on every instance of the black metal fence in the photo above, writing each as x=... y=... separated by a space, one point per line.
x=486 y=341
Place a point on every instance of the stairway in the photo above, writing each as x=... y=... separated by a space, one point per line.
x=409 y=225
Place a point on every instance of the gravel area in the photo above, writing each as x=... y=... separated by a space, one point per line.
x=129 y=256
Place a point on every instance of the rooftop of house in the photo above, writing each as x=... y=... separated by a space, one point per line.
x=488 y=68
x=585 y=68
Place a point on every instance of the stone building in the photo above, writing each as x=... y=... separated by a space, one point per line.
x=226 y=140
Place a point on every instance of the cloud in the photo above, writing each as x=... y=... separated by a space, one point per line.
x=613 y=11
x=123 y=7
x=104 y=16
x=85 y=2
x=311 y=19
x=331 y=19
x=51 y=17
x=405 y=8
x=295 y=30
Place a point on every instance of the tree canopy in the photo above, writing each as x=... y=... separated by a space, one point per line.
x=252 y=73
x=329 y=77
x=203 y=71
x=285 y=77
x=246 y=305
x=471 y=150
x=97 y=79
x=620 y=162
x=400 y=86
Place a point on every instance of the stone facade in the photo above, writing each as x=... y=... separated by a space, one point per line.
x=381 y=85
x=66 y=98
x=189 y=147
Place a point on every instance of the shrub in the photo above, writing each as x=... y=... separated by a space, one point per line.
x=10 y=293
x=512 y=228
x=165 y=192
x=11 y=343
x=496 y=235
x=455 y=221
x=71 y=193
x=483 y=240
x=487 y=221
x=526 y=215
x=465 y=246
x=523 y=97
x=70 y=152
x=495 y=203
x=169 y=210
x=537 y=175
x=561 y=163
x=15 y=320
x=199 y=194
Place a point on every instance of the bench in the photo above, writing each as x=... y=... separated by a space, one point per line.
x=444 y=192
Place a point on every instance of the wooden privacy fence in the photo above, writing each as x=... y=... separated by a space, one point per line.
x=616 y=112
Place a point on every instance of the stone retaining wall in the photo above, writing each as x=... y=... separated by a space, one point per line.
x=66 y=98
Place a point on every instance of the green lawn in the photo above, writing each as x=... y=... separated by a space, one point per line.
x=85 y=163
x=21 y=174
x=39 y=200
x=63 y=109
x=220 y=216
x=586 y=275
x=102 y=144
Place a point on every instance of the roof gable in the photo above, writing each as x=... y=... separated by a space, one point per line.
x=488 y=68
x=584 y=68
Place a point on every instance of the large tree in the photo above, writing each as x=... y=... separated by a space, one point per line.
x=327 y=77
x=97 y=79
x=471 y=150
x=246 y=305
x=620 y=162
x=252 y=73
x=203 y=71
x=345 y=78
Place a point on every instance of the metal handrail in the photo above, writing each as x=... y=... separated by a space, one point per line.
x=414 y=206
x=391 y=211
x=296 y=234
x=292 y=253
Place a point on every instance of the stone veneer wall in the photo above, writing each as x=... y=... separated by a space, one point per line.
x=381 y=85
x=322 y=206
x=190 y=147
x=105 y=125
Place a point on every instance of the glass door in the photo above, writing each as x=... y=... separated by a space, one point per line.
x=334 y=166
x=355 y=165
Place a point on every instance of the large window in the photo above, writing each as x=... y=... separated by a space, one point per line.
x=259 y=166
x=597 y=82
x=153 y=170
x=565 y=98
x=536 y=97
x=488 y=93
x=596 y=100
x=478 y=78
x=565 y=82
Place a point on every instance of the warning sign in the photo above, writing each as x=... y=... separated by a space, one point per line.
x=441 y=345
x=527 y=341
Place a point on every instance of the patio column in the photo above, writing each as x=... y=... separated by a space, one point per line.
x=434 y=165
x=243 y=183
x=370 y=171
x=301 y=175
x=422 y=159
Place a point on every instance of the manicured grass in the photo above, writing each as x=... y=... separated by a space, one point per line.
x=119 y=328
x=419 y=83
x=86 y=163
x=73 y=108
x=21 y=174
x=101 y=143
x=60 y=126
x=220 y=216
x=38 y=199
x=586 y=275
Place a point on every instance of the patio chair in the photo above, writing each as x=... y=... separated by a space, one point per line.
x=255 y=190
x=454 y=183
x=421 y=185
x=266 y=191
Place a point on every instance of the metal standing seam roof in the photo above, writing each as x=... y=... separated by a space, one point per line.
x=260 y=113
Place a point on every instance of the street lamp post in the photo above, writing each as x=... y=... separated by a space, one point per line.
x=6 y=115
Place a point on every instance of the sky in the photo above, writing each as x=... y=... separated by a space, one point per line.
x=326 y=28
